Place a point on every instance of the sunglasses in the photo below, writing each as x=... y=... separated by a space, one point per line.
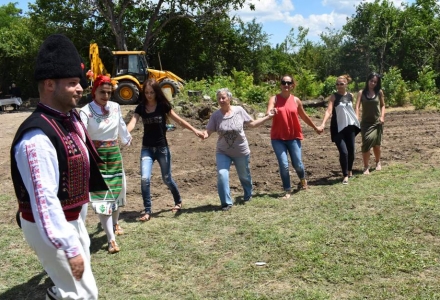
x=340 y=83
x=286 y=82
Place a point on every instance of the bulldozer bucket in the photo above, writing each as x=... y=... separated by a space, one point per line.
x=96 y=65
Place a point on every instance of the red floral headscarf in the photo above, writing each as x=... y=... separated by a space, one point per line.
x=100 y=80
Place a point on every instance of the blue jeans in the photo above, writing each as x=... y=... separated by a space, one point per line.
x=163 y=156
x=244 y=174
x=293 y=148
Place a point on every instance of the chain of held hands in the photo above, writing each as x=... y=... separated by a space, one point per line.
x=204 y=134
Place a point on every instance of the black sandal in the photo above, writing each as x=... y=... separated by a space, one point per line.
x=177 y=207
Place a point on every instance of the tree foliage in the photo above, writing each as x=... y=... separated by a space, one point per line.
x=134 y=24
x=18 y=49
x=200 y=40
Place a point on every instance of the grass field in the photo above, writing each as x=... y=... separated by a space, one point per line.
x=377 y=238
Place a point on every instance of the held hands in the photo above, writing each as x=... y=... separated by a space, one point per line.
x=320 y=129
x=77 y=266
x=199 y=134
x=272 y=112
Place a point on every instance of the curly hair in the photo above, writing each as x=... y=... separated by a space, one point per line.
x=345 y=77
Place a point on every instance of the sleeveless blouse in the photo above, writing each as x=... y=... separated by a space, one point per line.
x=286 y=124
x=370 y=109
x=343 y=114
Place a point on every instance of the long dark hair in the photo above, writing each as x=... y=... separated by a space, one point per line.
x=160 y=96
x=378 y=86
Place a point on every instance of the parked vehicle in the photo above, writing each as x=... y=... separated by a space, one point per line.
x=131 y=70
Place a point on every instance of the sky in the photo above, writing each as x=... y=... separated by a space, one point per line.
x=278 y=17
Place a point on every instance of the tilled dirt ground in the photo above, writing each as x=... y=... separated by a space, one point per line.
x=408 y=135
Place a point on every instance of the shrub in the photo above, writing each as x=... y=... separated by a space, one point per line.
x=242 y=82
x=394 y=88
x=194 y=85
x=328 y=86
x=307 y=86
x=426 y=79
x=352 y=87
x=421 y=99
x=258 y=94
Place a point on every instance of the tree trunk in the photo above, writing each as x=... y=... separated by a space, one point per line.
x=320 y=102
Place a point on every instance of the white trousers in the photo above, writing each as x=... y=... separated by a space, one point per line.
x=57 y=266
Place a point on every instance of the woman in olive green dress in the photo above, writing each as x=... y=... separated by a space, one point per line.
x=371 y=98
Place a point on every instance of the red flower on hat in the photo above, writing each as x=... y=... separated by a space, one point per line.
x=82 y=66
x=89 y=74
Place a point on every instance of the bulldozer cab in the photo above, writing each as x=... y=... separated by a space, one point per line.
x=130 y=70
x=131 y=63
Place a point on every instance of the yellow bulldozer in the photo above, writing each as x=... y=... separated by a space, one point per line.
x=131 y=70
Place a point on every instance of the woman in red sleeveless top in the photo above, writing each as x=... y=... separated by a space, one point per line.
x=286 y=133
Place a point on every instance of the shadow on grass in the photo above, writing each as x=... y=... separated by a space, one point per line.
x=32 y=289
x=198 y=209
x=334 y=178
x=97 y=243
x=133 y=216
x=239 y=200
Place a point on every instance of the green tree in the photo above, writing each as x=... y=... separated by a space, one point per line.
x=370 y=34
x=256 y=42
x=201 y=50
x=420 y=44
x=332 y=56
x=18 y=49
x=130 y=20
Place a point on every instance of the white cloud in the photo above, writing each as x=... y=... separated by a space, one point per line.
x=317 y=15
x=283 y=12
x=341 y=6
x=318 y=23
x=266 y=10
x=349 y=6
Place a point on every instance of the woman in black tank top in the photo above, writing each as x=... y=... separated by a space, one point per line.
x=344 y=125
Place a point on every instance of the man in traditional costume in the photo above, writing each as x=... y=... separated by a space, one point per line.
x=54 y=166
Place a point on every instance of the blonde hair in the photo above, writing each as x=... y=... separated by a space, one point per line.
x=345 y=77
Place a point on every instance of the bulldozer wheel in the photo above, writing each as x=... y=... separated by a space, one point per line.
x=171 y=85
x=126 y=93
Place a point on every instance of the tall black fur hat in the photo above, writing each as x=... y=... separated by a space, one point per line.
x=58 y=58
